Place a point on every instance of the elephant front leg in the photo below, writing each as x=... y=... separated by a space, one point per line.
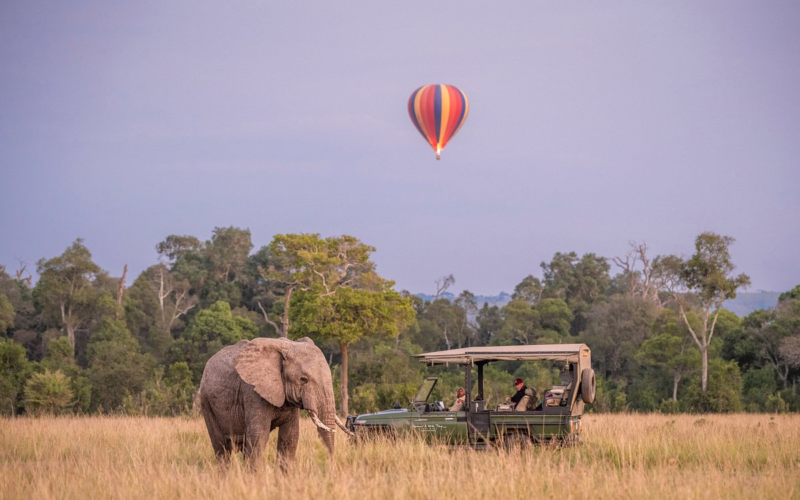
x=288 y=436
x=255 y=441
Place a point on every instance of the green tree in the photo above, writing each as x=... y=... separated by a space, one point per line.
x=168 y=395
x=466 y=308
x=116 y=367
x=758 y=385
x=6 y=314
x=60 y=357
x=157 y=305
x=554 y=316
x=723 y=392
x=521 y=324
x=670 y=353
x=615 y=331
x=777 y=333
x=209 y=331
x=349 y=315
x=529 y=289
x=703 y=282
x=490 y=323
x=185 y=258
x=14 y=372
x=65 y=290
x=48 y=393
x=228 y=253
x=440 y=321
x=17 y=291
x=580 y=282
x=299 y=261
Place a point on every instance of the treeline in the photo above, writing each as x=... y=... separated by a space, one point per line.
x=80 y=341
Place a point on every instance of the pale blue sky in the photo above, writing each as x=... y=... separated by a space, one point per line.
x=591 y=124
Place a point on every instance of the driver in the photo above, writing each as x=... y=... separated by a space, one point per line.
x=461 y=398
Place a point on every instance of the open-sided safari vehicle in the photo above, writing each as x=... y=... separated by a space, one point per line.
x=554 y=418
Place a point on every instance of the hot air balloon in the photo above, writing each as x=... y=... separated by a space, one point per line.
x=438 y=112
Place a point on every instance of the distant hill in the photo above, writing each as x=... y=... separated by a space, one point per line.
x=747 y=302
x=499 y=300
x=742 y=305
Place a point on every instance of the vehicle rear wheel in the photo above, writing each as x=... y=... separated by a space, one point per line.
x=588 y=385
x=516 y=440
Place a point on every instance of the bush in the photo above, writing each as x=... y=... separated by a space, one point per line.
x=669 y=406
x=14 y=372
x=775 y=404
x=48 y=393
x=723 y=394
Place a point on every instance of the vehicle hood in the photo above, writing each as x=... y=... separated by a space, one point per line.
x=388 y=413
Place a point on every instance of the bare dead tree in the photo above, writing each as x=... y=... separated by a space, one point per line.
x=166 y=286
x=789 y=350
x=19 y=274
x=442 y=284
x=283 y=327
x=121 y=291
x=647 y=282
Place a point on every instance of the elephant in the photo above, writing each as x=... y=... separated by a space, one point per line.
x=250 y=388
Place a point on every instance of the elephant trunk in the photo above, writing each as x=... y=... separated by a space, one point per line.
x=322 y=409
x=328 y=418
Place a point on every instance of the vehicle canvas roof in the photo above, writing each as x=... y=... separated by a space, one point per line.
x=571 y=353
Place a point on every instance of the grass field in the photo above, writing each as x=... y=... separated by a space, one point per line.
x=622 y=456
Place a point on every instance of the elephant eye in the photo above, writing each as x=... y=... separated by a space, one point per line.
x=303 y=379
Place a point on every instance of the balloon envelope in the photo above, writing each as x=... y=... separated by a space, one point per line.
x=438 y=112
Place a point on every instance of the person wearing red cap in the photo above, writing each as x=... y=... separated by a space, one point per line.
x=516 y=398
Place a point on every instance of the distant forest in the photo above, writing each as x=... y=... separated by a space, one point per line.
x=662 y=333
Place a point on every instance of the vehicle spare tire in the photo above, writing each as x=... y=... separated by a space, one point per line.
x=588 y=385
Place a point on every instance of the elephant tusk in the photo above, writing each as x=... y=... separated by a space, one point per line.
x=340 y=424
x=319 y=423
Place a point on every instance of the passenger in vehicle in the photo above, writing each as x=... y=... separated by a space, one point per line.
x=516 y=398
x=461 y=398
x=528 y=401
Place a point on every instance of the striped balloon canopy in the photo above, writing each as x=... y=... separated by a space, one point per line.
x=438 y=112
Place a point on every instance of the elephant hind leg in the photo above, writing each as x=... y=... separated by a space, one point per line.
x=220 y=443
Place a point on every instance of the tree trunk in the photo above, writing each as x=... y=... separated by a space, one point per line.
x=69 y=328
x=285 y=319
x=343 y=381
x=704 y=379
x=675 y=382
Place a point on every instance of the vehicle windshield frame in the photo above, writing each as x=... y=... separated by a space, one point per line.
x=430 y=381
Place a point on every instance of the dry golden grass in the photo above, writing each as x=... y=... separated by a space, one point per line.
x=622 y=456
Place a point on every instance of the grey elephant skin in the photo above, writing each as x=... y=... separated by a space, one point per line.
x=253 y=387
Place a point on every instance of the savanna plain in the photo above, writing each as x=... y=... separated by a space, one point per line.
x=621 y=456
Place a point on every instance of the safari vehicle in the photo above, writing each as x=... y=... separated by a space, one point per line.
x=556 y=418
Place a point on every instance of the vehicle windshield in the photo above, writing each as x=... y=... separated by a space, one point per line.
x=425 y=390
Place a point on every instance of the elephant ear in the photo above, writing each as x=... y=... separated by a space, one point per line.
x=260 y=364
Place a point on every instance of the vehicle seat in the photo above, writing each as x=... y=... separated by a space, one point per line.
x=566 y=376
x=528 y=401
x=556 y=395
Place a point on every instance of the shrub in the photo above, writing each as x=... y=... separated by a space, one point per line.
x=669 y=406
x=48 y=393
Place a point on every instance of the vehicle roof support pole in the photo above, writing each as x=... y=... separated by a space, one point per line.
x=468 y=380
x=480 y=380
